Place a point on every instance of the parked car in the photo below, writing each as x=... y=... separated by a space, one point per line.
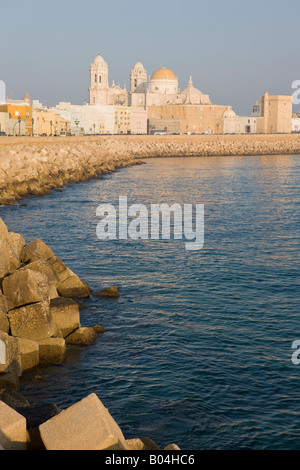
x=2 y=134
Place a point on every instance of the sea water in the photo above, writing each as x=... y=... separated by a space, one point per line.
x=198 y=346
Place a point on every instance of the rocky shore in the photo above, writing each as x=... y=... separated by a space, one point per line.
x=39 y=318
x=36 y=166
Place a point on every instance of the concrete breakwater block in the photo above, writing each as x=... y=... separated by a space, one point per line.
x=52 y=351
x=65 y=314
x=12 y=429
x=32 y=321
x=66 y=282
x=87 y=425
x=26 y=287
x=28 y=352
x=109 y=292
x=4 y=324
x=82 y=336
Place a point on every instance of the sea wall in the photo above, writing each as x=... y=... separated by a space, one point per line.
x=35 y=166
x=39 y=320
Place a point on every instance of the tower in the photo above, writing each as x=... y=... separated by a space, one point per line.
x=99 y=81
x=138 y=79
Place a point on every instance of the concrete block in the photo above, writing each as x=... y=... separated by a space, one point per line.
x=35 y=250
x=26 y=287
x=12 y=429
x=82 y=336
x=32 y=322
x=87 y=425
x=52 y=351
x=65 y=314
x=29 y=353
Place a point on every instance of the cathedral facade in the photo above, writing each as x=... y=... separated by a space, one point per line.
x=160 y=89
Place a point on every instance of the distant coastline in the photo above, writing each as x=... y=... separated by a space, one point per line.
x=38 y=165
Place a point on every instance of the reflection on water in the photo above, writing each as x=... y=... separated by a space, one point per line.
x=198 y=347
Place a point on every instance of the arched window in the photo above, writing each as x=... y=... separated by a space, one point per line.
x=100 y=78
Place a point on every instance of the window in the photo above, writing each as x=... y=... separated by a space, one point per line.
x=99 y=78
x=95 y=78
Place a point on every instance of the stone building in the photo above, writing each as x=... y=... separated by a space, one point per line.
x=275 y=114
x=18 y=111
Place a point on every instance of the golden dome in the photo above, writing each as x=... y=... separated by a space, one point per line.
x=163 y=74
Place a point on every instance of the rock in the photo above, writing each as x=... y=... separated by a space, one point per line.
x=172 y=447
x=69 y=285
x=10 y=354
x=87 y=425
x=12 y=429
x=13 y=398
x=74 y=288
x=65 y=314
x=3 y=230
x=35 y=250
x=35 y=416
x=32 y=321
x=42 y=266
x=62 y=272
x=9 y=380
x=4 y=324
x=149 y=444
x=99 y=329
x=17 y=242
x=82 y=336
x=26 y=287
x=109 y=292
x=52 y=351
x=135 y=444
x=4 y=258
x=29 y=353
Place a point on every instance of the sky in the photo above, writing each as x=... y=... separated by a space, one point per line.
x=234 y=50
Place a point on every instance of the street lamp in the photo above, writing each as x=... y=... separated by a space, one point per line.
x=19 y=121
x=32 y=122
x=51 y=123
x=77 y=122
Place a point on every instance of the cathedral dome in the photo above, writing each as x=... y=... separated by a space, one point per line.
x=163 y=74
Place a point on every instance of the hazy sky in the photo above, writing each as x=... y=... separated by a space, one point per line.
x=234 y=50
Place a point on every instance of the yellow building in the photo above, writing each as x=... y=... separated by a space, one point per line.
x=49 y=123
x=275 y=114
x=19 y=111
x=122 y=119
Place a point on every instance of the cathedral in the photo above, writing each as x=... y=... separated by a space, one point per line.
x=161 y=88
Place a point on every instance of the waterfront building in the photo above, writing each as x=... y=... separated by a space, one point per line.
x=48 y=123
x=19 y=111
x=275 y=114
x=122 y=119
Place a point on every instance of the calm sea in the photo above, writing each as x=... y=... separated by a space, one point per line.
x=198 y=347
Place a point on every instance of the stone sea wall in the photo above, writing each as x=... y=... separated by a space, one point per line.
x=36 y=166
x=39 y=319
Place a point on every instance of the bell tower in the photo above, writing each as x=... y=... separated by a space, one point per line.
x=138 y=79
x=98 y=81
